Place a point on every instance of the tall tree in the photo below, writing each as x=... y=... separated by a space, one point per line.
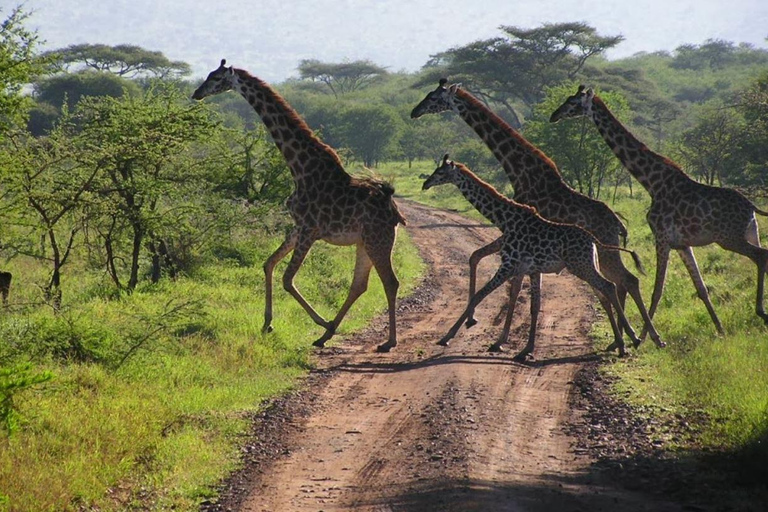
x=18 y=65
x=137 y=144
x=513 y=69
x=125 y=60
x=344 y=77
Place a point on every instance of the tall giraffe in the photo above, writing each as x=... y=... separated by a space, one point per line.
x=326 y=204
x=684 y=213
x=531 y=245
x=538 y=183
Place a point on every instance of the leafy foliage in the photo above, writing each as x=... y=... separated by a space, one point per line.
x=14 y=380
x=516 y=67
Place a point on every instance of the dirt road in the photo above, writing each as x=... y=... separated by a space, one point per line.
x=428 y=428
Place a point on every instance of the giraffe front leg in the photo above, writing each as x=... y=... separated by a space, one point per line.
x=303 y=245
x=269 y=266
x=474 y=260
x=662 y=260
x=363 y=265
x=502 y=274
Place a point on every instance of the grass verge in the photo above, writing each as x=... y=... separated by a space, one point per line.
x=150 y=391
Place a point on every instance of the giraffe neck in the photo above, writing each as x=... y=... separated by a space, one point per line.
x=307 y=156
x=526 y=166
x=654 y=172
x=489 y=202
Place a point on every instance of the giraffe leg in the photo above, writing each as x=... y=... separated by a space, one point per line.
x=474 y=260
x=662 y=259
x=606 y=294
x=527 y=353
x=269 y=266
x=502 y=274
x=380 y=252
x=614 y=270
x=363 y=265
x=701 y=289
x=750 y=247
x=303 y=245
x=515 y=284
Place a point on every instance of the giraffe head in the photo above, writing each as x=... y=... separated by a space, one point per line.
x=219 y=80
x=446 y=173
x=439 y=100
x=580 y=104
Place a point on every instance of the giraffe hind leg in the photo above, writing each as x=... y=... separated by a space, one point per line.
x=474 y=260
x=379 y=250
x=701 y=289
x=527 y=353
x=515 y=284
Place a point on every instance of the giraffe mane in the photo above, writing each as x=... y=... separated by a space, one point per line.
x=292 y=115
x=506 y=128
x=490 y=189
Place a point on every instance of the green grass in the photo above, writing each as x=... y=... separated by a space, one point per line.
x=160 y=427
x=724 y=377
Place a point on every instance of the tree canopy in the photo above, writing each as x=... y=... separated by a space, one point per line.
x=513 y=69
x=124 y=60
x=341 y=78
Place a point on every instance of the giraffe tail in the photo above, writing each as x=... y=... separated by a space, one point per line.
x=760 y=212
x=635 y=257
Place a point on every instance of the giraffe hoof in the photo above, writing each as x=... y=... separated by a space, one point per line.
x=524 y=357
x=385 y=347
x=496 y=347
x=613 y=346
x=267 y=329
x=444 y=342
x=319 y=343
x=470 y=322
x=661 y=344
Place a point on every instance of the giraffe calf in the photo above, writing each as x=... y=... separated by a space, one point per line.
x=531 y=245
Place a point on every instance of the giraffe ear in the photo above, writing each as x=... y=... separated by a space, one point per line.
x=443 y=81
x=581 y=89
x=445 y=158
x=590 y=94
x=453 y=88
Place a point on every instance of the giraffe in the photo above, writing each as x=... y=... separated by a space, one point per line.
x=326 y=204
x=531 y=245
x=538 y=183
x=5 y=286
x=684 y=213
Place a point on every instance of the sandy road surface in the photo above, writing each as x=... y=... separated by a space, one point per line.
x=447 y=429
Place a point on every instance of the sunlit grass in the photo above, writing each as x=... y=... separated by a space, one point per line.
x=159 y=427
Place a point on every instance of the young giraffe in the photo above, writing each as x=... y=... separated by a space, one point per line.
x=326 y=204
x=538 y=183
x=531 y=245
x=683 y=212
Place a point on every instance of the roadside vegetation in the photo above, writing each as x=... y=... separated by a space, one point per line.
x=135 y=223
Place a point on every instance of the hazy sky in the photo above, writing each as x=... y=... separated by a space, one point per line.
x=269 y=37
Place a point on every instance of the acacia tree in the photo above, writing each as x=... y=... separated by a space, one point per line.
x=710 y=148
x=514 y=69
x=753 y=105
x=137 y=145
x=344 y=77
x=47 y=188
x=124 y=60
x=578 y=149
